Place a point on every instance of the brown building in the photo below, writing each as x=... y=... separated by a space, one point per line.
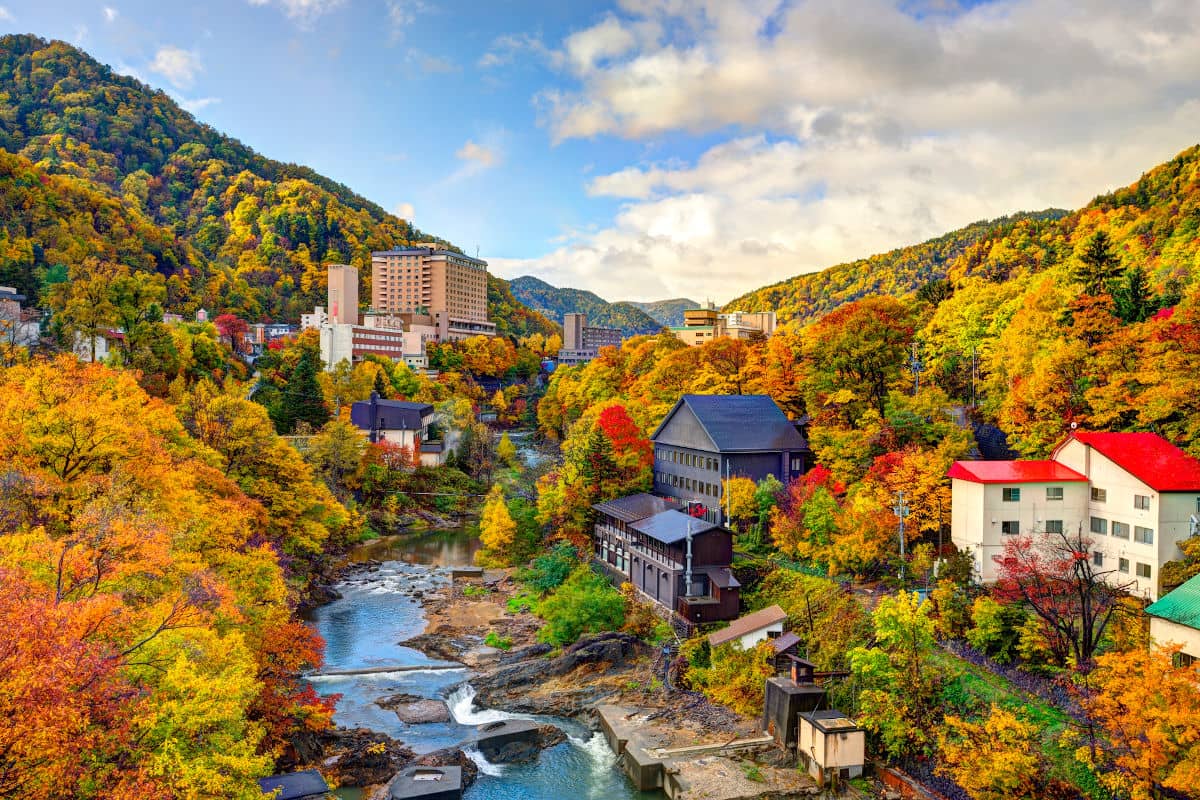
x=703 y=325
x=450 y=287
x=678 y=561
x=582 y=342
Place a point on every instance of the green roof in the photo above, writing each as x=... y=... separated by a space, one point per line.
x=1181 y=606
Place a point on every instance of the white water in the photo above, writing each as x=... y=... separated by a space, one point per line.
x=462 y=708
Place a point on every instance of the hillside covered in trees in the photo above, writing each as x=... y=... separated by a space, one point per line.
x=897 y=272
x=667 y=312
x=553 y=302
x=105 y=167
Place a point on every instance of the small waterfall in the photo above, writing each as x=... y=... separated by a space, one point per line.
x=462 y=707
x=485 y=767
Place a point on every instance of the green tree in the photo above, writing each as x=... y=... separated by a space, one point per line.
x=898 y=682
x=585 y=603
x=1134 y=300
x=301 y=400
x=336 y=455
x=1096 y=266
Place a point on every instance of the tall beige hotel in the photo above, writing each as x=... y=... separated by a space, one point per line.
x=429 y=286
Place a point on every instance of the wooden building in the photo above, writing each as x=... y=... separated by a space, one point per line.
x=676 y=560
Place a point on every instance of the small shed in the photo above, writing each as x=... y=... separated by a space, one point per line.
x=305 y=785
x=831 y=745
x=786 y=647
x=751 y=629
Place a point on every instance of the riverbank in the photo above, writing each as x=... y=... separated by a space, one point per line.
x=609 y=670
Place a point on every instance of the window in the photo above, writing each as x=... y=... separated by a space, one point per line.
x=1099 y=525
x=1010 y=527
x=1054 y=493
x=1098 y=558
x=1141 y=502
x=1143 y=570
x=1123 y=565
x=1143 y=535
x=1099 y=495
x=1120 y=530
x=1054 y=526
x=1180 y=660
x=1010 y=495
x=798 y=465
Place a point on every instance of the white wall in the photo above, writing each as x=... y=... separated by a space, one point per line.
x=1163 y=632
x=749 y=640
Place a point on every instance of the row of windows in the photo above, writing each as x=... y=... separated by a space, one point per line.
x=1141 y=502
x=1143 y=570
x=681 y=482
x=1120 y=530
x=689 y=460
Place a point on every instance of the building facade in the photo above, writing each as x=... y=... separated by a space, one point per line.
x=400 y=423
x=449 y=287
x=705 y=439
x=1134 y=495
x=582 y=342
x=18 y=327
x=343 y=294
x=1175 y=621
x=674 y=559
x=703 y=325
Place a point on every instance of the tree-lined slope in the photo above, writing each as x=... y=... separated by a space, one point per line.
x=667 y=312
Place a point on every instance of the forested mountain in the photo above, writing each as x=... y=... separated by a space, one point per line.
x=121 y=173
x=667 y=312
x=554 y=302
x=895 y=273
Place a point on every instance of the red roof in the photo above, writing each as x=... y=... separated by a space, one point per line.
x=1148 y=457
x=1014 y=472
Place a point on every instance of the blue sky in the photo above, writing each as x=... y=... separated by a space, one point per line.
x=654 y=148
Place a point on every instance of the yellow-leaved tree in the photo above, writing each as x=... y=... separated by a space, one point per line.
x=497 y=530
x=996 y=759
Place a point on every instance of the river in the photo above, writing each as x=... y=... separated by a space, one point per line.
x=363 y=628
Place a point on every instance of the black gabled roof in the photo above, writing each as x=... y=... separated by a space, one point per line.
x=635 y=506
x=295 y=785
x=750 y=423
x=390 y=415
x=672 y=526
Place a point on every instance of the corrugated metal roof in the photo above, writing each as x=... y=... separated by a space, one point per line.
x=295 y=785
x=1181 y=606
x=672 y=526
x=1148 y=457
x=748 y=624
x=633 y=507
x=749 y=423
x=390 y=415
x=1014 y=472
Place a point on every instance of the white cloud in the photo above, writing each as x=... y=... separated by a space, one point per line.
x=506 y=49
x=404 y=211
x=476 y=158
x=198 y=104
x=431 y=64
x=110 y=14
x=303 y=12
x=839 y=135
x=5 y=15
x=403 y=14
x=177 y=65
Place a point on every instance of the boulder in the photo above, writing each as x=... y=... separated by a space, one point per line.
x=362 y=757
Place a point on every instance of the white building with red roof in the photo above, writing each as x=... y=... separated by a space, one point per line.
x=1135 y=495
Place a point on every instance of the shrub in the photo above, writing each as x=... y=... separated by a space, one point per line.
x=549 y=570
x=494 y=639
x=996 y=628
x=585 y=603
x=736 y=677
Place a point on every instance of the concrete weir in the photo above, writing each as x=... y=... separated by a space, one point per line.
x=648 y=762
x=427 y=783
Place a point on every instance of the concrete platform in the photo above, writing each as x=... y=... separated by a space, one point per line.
x=427 y=783
x=495 y=739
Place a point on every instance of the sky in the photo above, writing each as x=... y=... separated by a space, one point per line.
x=646 y=149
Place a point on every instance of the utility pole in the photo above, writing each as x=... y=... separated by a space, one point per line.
x=901 y=511
x=915 y=365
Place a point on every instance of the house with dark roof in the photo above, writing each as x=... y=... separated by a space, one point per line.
x=705 y=439
x=674 y=559
x=1175 y=620
x=1135 y=496
x=401 y=423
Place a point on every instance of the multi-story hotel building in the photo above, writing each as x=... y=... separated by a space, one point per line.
x=343 y=294
x=449 y=287
x=582 y=342
x=1135 y=496
x=703 y=325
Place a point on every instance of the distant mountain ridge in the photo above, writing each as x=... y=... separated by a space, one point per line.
x=667 y=312
x=554 y=302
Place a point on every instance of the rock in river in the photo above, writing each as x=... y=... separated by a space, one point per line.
x=415 y=710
